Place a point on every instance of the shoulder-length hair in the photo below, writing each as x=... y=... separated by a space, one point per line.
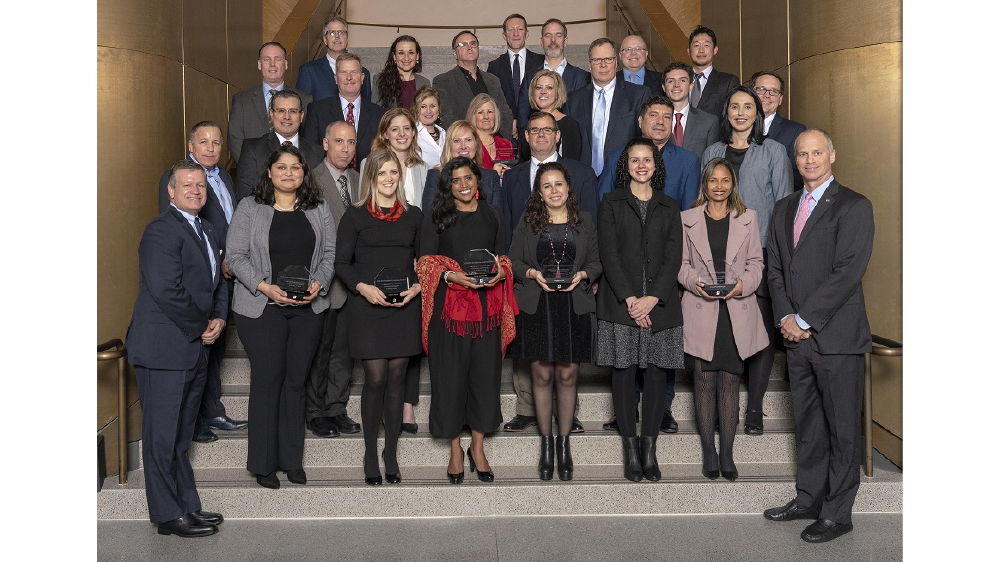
x=733 y=202
x=536 y=214
x=373 y=164
x=412 y=154
x=449 y=136
x=561 y=95
x=308 y=194
x=622 y=177
x=443 y=211
x=390 y=87
x=479 y=101
x=726 y=130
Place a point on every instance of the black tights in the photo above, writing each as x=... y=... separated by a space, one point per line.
x=382 y=399
x=542 y=375
x=716 y=391
x=654 y=388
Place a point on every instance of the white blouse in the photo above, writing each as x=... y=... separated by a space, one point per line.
x=430 y=151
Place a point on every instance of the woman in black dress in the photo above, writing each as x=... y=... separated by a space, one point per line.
x=639 y=324
x=547 y=93
x=466 y=326
x=555 y=327
x=381 y=231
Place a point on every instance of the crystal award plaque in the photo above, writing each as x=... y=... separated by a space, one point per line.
x=392 y=282
x=294 y=280
x=558 y=276
x=720 y=282
x=480 y=265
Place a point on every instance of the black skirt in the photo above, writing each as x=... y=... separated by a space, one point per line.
x=554 y=332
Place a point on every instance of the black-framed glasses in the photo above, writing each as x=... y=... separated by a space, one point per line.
x=762 y=91
x=546 y=130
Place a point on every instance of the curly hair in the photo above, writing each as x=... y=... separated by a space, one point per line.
x=308 y=194
x=536 y=213
x=412 y=156
x=443 y=210
x=390 y=87
x=733 y=202
x=726 y=128
x=622 y=178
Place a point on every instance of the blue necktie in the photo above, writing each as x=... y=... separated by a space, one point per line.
x=597 y=136
x=222 y=193
x=204 y=242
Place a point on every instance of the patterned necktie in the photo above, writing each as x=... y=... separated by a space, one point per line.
x=204 y=243
x=350 y=119
x=222 y=193
x=597 y=135
x=516 y=72
x=678 y=130
x=696 y=92
x=344 y=193
x=800 y=219
x=286 y=143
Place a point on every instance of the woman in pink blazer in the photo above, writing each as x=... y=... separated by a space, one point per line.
x=721 y=247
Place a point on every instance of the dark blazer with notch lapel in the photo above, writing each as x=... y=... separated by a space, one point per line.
x=456 y=95
x=323 y=112
x=257 y=151
x=501 y=68
x=785 y=131
x=622 y=125
x=573 y=77
x=701 y=130
x=717 y=87
x=212 y=211
x=316 y=78
x=331 y=194
x=248 y=117
x=651 y=79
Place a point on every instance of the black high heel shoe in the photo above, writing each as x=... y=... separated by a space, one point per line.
x=564 y=458
x=394 y=477
x=374 y=480
x=268 y=480
x=711 y=474
x=456 y=478
x=731 y=476
x=483 y=476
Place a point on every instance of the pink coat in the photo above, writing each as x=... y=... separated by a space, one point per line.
x=701 y=316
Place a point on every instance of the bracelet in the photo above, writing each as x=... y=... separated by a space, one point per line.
x=445 y=276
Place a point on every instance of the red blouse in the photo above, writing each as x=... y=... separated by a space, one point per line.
x=504 y=149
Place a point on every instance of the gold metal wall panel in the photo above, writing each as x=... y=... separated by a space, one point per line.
x=823 y=27
x=147 y=27
x=110 y=433
x=888 y=444
x=856 y=96
x=723 y=16
x=243 y=42
x=205 y=99
x=687 y=13
x=140 y=133
x=887 y=393
x=765 y=36
x=107 y=391
x=205 y=37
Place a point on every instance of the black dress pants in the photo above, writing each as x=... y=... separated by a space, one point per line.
x=329 y=385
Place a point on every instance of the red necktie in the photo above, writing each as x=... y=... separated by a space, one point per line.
x=350 y=119
x=678 y=130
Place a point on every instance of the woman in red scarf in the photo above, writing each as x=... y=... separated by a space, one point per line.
x=466 y=327
x=381 y=231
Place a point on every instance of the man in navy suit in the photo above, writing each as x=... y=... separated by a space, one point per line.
x=513 y=66
x=179 y=313
x=633 y=55
x=607 y=108
x=317 y=77
x=553 y=42
x=770 y=88
x=710 y=86
x=204 y=149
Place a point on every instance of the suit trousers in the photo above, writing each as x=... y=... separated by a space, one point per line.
x=329 y=385
x=525 y=405
x=169 y=401
x=827 y=393
x=758 y=366
x=211 y=401
x=280 y=344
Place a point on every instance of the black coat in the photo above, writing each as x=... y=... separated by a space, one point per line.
x=626 y=246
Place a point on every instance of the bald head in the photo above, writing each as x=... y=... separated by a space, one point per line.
x=633 y=53
x=340 y=144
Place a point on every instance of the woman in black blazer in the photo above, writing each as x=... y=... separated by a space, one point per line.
x=555 y=327
x=639 y=323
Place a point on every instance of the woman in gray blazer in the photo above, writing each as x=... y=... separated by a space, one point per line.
x=555 y=328
x=282 y=226
x=399 y=81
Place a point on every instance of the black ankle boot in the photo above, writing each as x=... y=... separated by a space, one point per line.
x=650 y=468
x=564 y=458
x=545 y=458
x=633 y=470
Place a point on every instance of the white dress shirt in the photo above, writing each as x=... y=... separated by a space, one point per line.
x=357 y=110
x=430 y=151
x=520 y=61
x=294 y=140
x=535 y=163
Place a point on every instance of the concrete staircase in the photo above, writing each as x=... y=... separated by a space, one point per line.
x=336 y=480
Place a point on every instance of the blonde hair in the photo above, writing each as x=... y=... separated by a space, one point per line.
x=412 y=154
x=560 y=88
x=373 y=164
x=449 y=136
x=479 y=101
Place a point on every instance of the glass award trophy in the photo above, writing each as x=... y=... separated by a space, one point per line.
x=480 y=265
x=392 y=281
x=294 y=280
x=720 y=282
x=558 y=276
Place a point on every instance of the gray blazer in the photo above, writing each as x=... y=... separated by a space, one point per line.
x=418 y=188
x=248 y=117
x=456 y=96
x=331 y=194
x=248 y=254
x=419 y=79
x=702 y=130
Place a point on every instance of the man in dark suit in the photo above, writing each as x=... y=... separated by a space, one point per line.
x=633 y=55
x=459 y=85
x=818 y=249
x=318 y=77
x=692 y=129
x=329 y=385
x=710 y=86
x=248 y=116
x=204 y=149
x=348 y=105
x=286 y=120
x=770 y=88
x=607 y=108
x=179 y=313
x=517 y=63
x=553 y=42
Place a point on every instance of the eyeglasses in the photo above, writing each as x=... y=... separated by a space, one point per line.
x=290 y=111
x=546 y=130
x=463 y=44
x=630 y=50
x=336 y=32
x=605 y=60
x=762 y=91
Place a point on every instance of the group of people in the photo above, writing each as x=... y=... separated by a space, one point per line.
x=622 y=215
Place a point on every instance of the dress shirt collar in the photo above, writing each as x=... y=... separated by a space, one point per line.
x=214 y=170
x=608 y=90
x=278 y=88
x=768 y=121
x=522 y=52
x=559 y=67
x=294 y=140
x=188 y=216
x=535 y=163
x=640 y=75
x=817 y=193
x=336 y=173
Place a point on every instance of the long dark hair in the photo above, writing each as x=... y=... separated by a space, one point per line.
x=390 y=87
x=623 y=179
x=443 y=211
x=536 y=214
x=733 y=202
x=726 y=130
x=308 y=194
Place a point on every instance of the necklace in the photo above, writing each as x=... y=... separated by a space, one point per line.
x=292 y=208
x=562 y=255
x=432 y=130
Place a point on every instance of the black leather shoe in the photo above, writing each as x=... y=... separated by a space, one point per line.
x=731 y=476
x=373 y=480
x=823 y=530
x=753 y=429
x=322 y=427
x=226 y=423
x=296 y=476
x=207 y=517
x=711 y=474
x=203 y=434
x=520 y=423
x=393 y=478
x=186 y=526
x=269 y=481
x=409 y=428
x=789 y=512
x=345 y=424
x=611 y=425
x=483 y=476
x=546 y=458
x=630 y=449
x=564 y=459
x=669 y=424
x=577 y=427
x=650 y=468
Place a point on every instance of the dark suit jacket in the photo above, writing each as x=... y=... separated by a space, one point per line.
x=683 y=174
x=500 y=67
x=177 y=294
x=702 y=130
x=257 y=151
x=331 y=194
x=786 y=131
x=820 y=279
x=717 y=87
x=573 y=77
x=248 y=118
x=316 y=78
x=212 y=211
x=622 y=123
x=490 y=186
x=456 y=96
x=517 y=189
x=323 y=112
x=652 y=80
